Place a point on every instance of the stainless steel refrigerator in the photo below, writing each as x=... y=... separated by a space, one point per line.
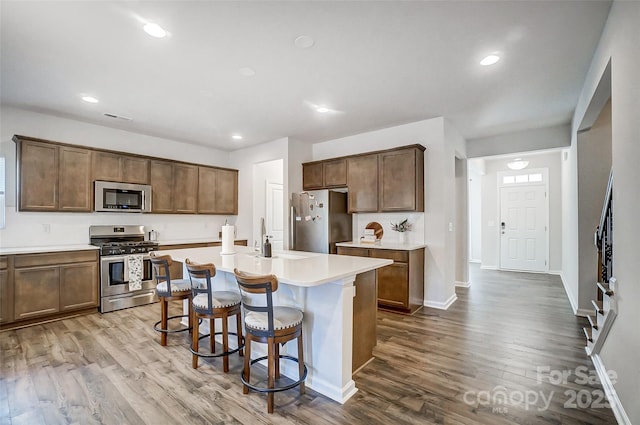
x=319 y=220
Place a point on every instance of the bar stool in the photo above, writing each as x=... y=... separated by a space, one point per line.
x=271 y=325
x=210 y=304
x=169 y=290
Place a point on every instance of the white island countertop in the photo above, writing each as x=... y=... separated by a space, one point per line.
x=384 y=245
x=296 y=268
x=322 y=286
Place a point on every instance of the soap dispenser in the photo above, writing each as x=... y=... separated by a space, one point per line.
x=267 y=248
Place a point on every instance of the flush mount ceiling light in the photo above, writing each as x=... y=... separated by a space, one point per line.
x=490 y=60
x=90 y=99
x=517 y=164
x=236 y=137
x=322 y=109
x=303 y=42
x=154 y=30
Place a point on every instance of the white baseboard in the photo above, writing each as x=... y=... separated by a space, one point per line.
x=483 y=267
x=463 y=284
x=555 y=272
x=610 y=391
x=441 y=305
x=574 y=307
x=584 y=312
x=473 y=260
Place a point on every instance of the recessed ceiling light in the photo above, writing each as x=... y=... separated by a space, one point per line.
x=303 y=41
x=90 y=99
x=236 y=137
x=154 y=30
x=322 y=109
x=247 y=72
x=490 y=60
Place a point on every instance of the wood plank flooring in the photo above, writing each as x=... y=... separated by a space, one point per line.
x=440 y=367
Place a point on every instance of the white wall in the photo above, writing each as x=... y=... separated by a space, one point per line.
x=521 y=141
x=491 y=208
x=594 y=165
x=475 y=213
x=439 y=193
x=619 y=43
x=26 y=229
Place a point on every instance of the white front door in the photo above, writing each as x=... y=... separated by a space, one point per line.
x=523 y=228
x=274 y=220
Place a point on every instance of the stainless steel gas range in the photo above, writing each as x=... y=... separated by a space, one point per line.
x=116 y=244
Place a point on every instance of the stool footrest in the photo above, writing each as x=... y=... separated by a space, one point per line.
x=226 y=353
x=275 y=389
x=171 y=331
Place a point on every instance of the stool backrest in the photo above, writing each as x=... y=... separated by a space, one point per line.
x=250 y=286
x=161 y=268
x=203 y=272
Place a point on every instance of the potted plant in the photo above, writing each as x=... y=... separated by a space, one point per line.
x=401 y=227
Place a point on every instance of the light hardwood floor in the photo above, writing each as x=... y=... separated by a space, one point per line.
x=442 y=367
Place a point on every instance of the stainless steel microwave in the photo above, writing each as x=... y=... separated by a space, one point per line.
x=122 y=197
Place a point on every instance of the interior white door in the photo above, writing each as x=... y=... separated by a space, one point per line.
x=274 y=215
x=523 y=228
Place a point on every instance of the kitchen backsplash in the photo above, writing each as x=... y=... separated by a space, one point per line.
x=415 y=235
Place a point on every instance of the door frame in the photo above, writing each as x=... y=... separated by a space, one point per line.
x=501 y=184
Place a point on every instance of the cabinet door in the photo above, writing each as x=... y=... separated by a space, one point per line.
x=38 y=174
x=78 y=286
x=107 y=166
x=162 y=186
x=401 y=185
x=36 y=292
x=362 y=179
x=74 y=186
x=393 y=285
x=226 y=192
x=207 y=182
x=312 y=176
x=135 y=170
x=335 y=173
x=185 y=188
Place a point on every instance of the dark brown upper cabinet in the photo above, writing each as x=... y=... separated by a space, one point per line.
x=381 y=181
x=401 y=180
x=362 y=183
x=74 y=184
x=185 y=188
x=115 y=167
x=217 y=191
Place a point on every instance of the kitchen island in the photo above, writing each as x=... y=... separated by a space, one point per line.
x=322 y=286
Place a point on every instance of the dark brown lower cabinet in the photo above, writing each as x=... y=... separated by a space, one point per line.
x=48 y=285
x=6 y=290
x=364 y=319
x=401 y=284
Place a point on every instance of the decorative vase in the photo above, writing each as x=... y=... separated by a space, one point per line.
x=402 y=237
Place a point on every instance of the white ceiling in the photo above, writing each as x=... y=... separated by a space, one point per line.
x=377 y=64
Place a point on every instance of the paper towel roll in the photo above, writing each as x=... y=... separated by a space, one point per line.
x=227 y=240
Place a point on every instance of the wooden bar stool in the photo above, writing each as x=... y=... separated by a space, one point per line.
x=210 y=304
x=271 y=325
x=169 y=290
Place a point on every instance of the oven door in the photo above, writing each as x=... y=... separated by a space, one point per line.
x=114 y=275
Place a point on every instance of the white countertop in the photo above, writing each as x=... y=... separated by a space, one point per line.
x=190 y=241
x=384 y=245
x=41 y=249
x=297 y=268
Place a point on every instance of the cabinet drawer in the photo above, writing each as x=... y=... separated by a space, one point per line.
x=355 y=252
x=401 y=256
x=54 y=258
